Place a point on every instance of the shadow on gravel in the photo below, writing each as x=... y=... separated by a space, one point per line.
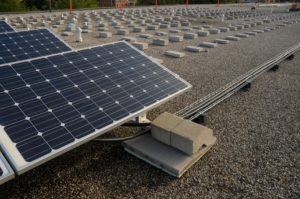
x=104 y=165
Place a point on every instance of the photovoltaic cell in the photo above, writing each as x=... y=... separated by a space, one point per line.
x=19 y=46
x=50 y=105
x=6 y=173
x=5 y=27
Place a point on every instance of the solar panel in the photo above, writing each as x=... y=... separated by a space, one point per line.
x=6 y=172
x=5 y=27
x=52 y=104
x=19 y=46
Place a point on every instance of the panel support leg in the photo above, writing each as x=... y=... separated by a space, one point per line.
x=246 y=87
x=291 y=57
x=274 y=68
x=199 y=119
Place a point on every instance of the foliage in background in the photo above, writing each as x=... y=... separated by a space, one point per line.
x=21 y=5
x=165 y=2
x=63 y=4
x=11 y=5
x=59 y=4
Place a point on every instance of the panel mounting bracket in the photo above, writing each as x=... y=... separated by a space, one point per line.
x=246 y=87
x=140 y=120
x=200 y=119
x=274 y=68
x=291 y=57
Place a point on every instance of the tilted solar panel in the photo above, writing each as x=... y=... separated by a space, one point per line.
x=51 y=105
x=6 y=172
x=5 y=27
x=19 y=46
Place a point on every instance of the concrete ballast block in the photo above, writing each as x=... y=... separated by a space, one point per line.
x=194 y=49
x=241 y=35
x=140 y=45
x=188 y=35
x=161 y=127
x=105 y=34
x=221 y=41
x=208 y=44
x=224 y=29
x=175 y=38
x=232 y=38
x=182 y=134
x=175 y=54
x=122 y=32
x=203 y=33
x=129 y=39
x=189 y=137
x=146 y=36
x=160 y=42
x=214 y=31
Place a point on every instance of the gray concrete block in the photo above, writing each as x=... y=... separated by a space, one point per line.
x=152 y=27
x=189 y=137
x=232 y=38
x=203 y=33
x=164 y=26
x=140 y=45
x=207 y=26
x=175 y=25
x=146 y=36
x=240 y=27
x=194 y=49
x=162 y=125
x=129 y=39
x=251 y=33
x=160 y=33
x=197 y=28
x=162 y=156
x=175 y=38
x=208 y=45
x=174 y=31
x=86 y=31
x=138 y=29
x=175 y=54
x=105 y=34
x=122 y=32
x=66 y=34
x=259 y=23
x=160 y=42
x=241 y=35
x=221 y=41
x=189 y=35
x=104 y=29
x=232 y=28
x=214 y=31
x=224 y=29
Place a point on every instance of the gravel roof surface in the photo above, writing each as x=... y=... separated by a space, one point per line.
x=257 y=154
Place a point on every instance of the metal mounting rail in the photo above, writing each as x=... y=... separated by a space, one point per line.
x=199 y=107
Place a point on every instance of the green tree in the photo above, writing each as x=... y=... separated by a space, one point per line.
x=11 y=5
x=37 y=4
x=63 y=4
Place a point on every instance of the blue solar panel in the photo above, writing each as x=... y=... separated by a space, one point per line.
x=19 y=46
x=48 y=105
x=5 y=27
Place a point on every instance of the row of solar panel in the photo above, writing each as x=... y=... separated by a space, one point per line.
x=73 y=95
x=19 y=46
x=5 y=27
x=52 y=104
